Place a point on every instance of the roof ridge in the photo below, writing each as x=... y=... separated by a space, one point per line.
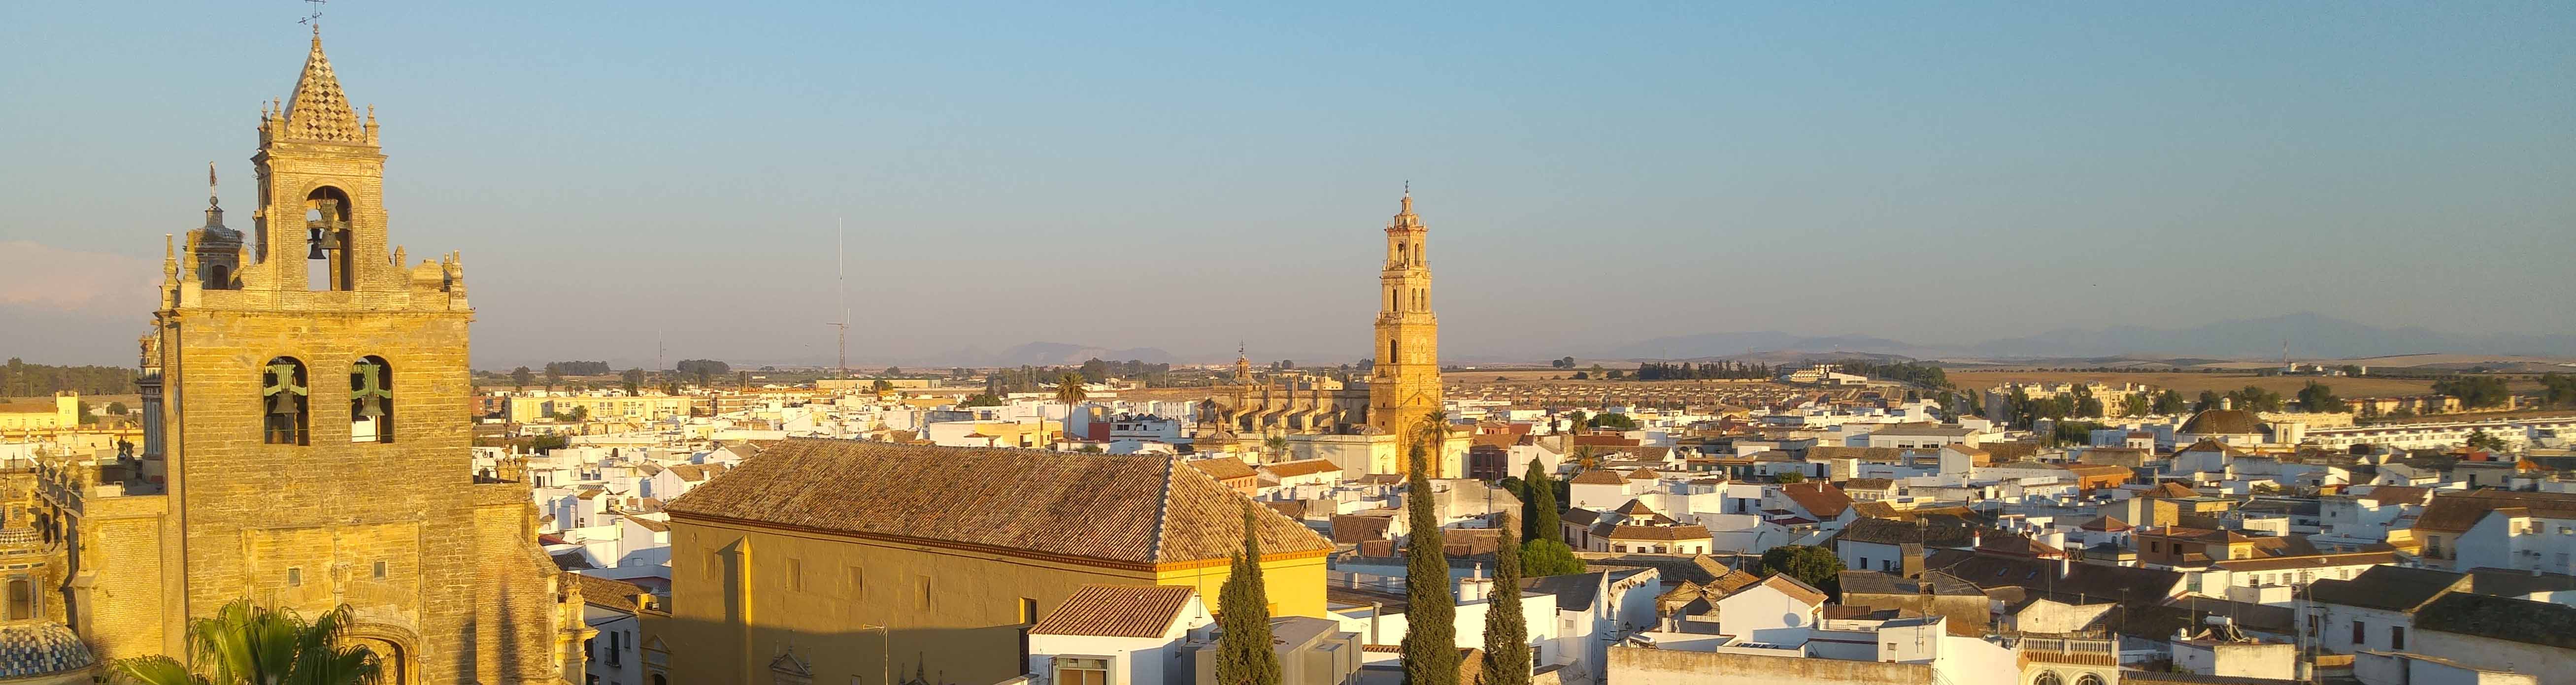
x=1163 y=507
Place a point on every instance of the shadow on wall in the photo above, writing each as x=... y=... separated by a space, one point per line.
x=702 y=651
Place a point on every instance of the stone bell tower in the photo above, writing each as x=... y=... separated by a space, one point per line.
x=311 y=447
x=1404 y=385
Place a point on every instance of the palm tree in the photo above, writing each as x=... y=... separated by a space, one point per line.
x=1433 y=434
x=246 y=645
x=1068 y=390
x=1278 y=445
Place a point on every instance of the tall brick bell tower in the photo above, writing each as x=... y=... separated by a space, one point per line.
x=312 y=446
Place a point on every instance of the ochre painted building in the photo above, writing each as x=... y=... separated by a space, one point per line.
x=846 y=561
x=306 y=444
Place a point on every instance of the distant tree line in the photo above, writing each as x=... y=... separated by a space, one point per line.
x=1658 y=371
x=1094 y=370
x=577 y=368
x=1917 y=373
x=2557 y=389
x=704 y=370
x=2475 y=392
x=21 y=379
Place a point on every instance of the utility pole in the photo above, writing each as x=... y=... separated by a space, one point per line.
x=841 y=267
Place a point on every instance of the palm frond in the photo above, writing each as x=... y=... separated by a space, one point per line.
x=153 y=670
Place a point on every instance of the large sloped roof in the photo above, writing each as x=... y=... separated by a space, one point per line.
x=2222 y=422
x=1123 y=508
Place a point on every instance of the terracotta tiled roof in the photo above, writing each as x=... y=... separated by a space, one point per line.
x=2308 y=561
x=2392 y=588
x=2222 y=422
x=1872 y=484
x=606 y=592
x=1352 y=528
x=1821 y=499
x=1122 y=508
x=2211 y=445
x=2170 y=489
x=1222 y=468
x=2454 y=512
x=1117 y=611
x=1636 y=507
x=2106 y=524
x=1598 y=477
x=1302 y=467
x=1794 y=589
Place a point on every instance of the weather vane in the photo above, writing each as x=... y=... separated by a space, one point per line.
x=314 y=19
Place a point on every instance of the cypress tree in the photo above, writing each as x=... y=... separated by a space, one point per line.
x=1541 y=523
x=1507 y=650
x=1243 y=646
x=1431 y=615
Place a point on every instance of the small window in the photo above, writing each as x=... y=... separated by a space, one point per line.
x=2360 y=635
x=294 y=577
x=1081 y=671
x=2397 y=637
x=1028 y=610
x=22 y=599
x=380 y=570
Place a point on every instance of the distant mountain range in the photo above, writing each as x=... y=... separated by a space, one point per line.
x=2310 y=336
x=1059 y=354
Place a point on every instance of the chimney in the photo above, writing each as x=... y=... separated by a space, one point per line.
x=1913 y=554
x=2227 y=403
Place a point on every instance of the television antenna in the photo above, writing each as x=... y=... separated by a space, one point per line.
x=841 y=265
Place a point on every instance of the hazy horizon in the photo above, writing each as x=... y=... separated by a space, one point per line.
x=1187 y=178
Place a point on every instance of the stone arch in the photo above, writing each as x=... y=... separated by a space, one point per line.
x=392 y=646
x=2048 y=678
x=330 y=231
x=371 y=400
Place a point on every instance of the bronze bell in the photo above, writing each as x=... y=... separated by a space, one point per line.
x=322 y=240
x=282 y=404
x=371 y=407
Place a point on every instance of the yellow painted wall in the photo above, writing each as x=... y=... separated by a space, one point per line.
x=740 y=594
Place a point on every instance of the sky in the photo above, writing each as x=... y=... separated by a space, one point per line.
x=631 y=177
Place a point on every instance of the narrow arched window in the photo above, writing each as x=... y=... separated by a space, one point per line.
x=371 y=400
x=1390 y=353
x=284 y=401
x=22 y=599
x=328 y=233
x=218 y=277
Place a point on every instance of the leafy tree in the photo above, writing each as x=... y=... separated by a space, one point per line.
x=1430 y=637
x=1243 y=654
x=553 y=378
x=2088 y=407
x=1538 y=509
x=881 y=385
x=2318 y=397
x=577 y=368
x=1579 y=375
x=2480 y=440
x=2557 y=389
x=2209 y=399
x=2136 y=404
x=521 y=377
x=1574 y=420
x=704 y=370
x=633 y=379
x=891 y=371
x=117 y=409
x=246 y=645
x=1616 y=374
x=1614 y=422
x=80 y=409
x=1813 y=565
x=1507 y=650
x=2255 y=398
x=981 y=400
x=1540 y=558
x=1094 y=370
x=2167 y=403
x=1787 y=477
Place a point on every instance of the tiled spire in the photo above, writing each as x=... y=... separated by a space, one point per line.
x=319 y=111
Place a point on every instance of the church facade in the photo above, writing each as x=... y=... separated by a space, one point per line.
x=1364 y=427
x=305 y=394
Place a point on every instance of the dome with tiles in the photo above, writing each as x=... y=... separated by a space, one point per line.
x=34 y=649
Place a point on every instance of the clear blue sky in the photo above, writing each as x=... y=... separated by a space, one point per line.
x=1186 y=177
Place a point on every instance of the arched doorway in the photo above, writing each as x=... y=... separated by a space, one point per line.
x=392 y=659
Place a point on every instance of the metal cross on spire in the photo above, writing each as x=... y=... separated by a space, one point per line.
x=314 y=19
